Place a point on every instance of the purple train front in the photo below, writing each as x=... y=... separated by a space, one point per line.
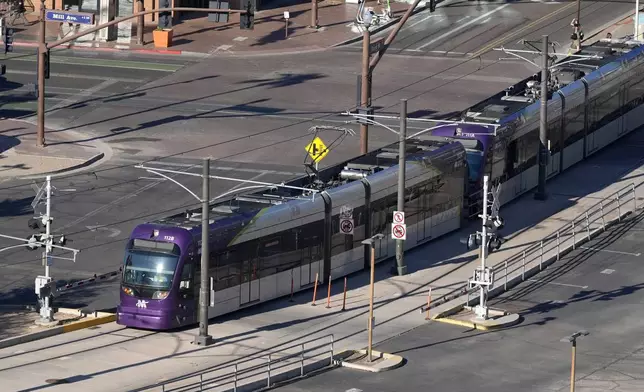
x=157 y=288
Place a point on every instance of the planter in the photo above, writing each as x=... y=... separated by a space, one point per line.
x=162 y=38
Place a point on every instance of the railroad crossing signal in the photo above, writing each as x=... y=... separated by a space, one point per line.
x=399 y=231
x=317 y=149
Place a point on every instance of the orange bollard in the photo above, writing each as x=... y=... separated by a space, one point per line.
x=429 y=301
x=315 y=289
x=344 y=295
x=328 y=295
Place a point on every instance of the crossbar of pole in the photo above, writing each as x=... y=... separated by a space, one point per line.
x=585 y=56
x=135 y=15
x=268 y=184
x=39 y=243
x=176 y=182
x=411 y=119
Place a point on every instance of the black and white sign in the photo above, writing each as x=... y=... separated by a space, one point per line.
x=399 y=231
x=399 y=217
x=346 y=212
x=346 y=226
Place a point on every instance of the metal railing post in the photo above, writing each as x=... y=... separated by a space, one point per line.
x=541 y=256
x=634 y=197
x=235 y=380
x=302 y=361
x=505 y=285
x=523 y=272
x=201 y=382
x=587 y=226
x=601 y=210
x=619 y=209
x=331 y=362
x=162 y=387
x=558 y=242
x=268 y=380
x=574 y=238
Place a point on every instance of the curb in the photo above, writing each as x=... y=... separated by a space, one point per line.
x=86 y=163
x=480 y=327
x=396 y=361
x=606 y=25
x=28 y=44
x=74 y=326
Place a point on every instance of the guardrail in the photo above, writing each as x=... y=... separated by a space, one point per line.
x=257 y=371
x=581 y=229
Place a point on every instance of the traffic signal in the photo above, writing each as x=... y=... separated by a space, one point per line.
x=47 y=64
x=247 y=19
x=432 y=5
x=8 y=40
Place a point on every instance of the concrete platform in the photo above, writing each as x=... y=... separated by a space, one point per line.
x=467 y=318
x=381 y=362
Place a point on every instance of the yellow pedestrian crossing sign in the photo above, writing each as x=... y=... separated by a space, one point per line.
x=317 y=149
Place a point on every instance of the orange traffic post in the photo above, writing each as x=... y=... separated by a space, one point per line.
x=315 y=289
x=328 y=295
x=429 y=301
x=344 y=295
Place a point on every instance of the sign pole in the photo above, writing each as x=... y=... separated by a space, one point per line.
x=371 y=289
x=482 y=308
x=42 y=48
x=400 y=245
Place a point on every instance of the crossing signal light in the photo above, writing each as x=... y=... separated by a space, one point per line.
x=8 y=40
x=432 y=5
x=247 y=19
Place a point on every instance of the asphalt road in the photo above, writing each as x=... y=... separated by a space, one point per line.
x=252 y=114
x=597 y=288
x=473 y=28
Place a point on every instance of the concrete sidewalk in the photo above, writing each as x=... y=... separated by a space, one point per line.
x=20 y=157
x=195 y=35
x=90 y=359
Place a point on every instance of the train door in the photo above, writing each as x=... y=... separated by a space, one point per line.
x=426 y=213
x=249 y=288
x=310 y=239
x=188 y=292
x=622 y=127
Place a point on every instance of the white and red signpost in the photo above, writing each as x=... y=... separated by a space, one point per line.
x=398 y=226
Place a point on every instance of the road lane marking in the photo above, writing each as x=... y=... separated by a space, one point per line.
x=557 y=284
x=608 y=271
x=464 y=25
x=422 y=20
x=77 y=76
x=510 y=35
x=106 y=63
x=79 y=96
x=611 y=251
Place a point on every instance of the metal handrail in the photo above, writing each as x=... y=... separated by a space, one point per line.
x=236 y=375
x=579 y=229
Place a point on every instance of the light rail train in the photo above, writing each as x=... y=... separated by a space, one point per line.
x=262 y=243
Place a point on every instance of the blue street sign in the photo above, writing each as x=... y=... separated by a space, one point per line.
x=70 y=17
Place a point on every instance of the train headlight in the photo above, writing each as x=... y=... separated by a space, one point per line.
x=160 y=295
x=128 y=291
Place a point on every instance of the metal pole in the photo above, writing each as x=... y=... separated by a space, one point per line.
x=41 y=77
x=482 y=311
x=543 y=124
x=400 y=244
x=364 y=94
x=47 y=313
x=572 y=366
x=314 y=14
x=203 y=339
x=637 y=20
x=373 y=265
x=140 y=24
x=579 y=24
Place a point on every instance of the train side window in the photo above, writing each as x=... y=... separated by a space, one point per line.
x=512 y=159
x=186 y=289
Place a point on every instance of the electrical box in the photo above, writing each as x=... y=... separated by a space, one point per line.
x=41 y=281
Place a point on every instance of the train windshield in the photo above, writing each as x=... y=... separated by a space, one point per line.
x=150 y=264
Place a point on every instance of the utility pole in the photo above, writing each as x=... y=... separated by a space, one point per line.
x=400 y=244
x=140 y=24
x=371 y=242
x=42 y=50
x=578 y=27
x=203 y=339
x=314 y=14
x=543 y=124
x=637 y=20
x=364 y=95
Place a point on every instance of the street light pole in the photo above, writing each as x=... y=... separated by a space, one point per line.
x=371 y=242
x=42 y=49
x=573 y=340
x=543 y=125
x=364 y=94
x=203 y=339
x=400 y=244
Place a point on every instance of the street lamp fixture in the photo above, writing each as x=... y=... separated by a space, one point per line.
x=573 y=340
x=371 y=242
